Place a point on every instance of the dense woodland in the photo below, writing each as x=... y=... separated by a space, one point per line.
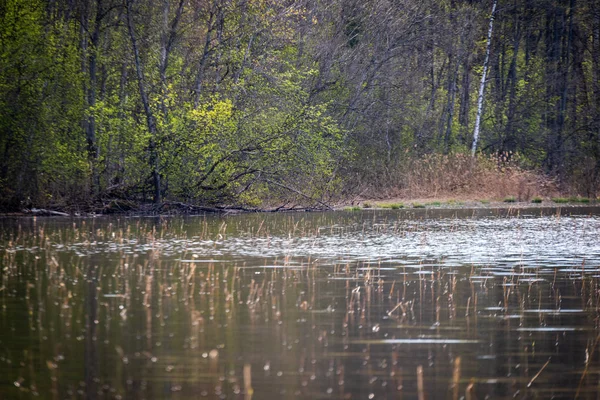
x=250 y=102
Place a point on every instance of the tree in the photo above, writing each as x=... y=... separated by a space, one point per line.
x=482 y=84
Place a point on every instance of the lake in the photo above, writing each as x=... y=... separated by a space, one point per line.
x=373 y=304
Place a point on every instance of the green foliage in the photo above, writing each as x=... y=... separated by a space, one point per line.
x=40 y=105
x=265 y=105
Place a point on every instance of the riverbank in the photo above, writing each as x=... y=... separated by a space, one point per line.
x=397 y=203
x=461 y=203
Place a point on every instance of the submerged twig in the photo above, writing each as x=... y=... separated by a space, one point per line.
x=539 y=372
x=587 y=364
x=420 y=382
x=456 y=378
x=248 y=381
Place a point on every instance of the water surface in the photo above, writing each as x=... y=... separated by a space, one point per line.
x=359 y=305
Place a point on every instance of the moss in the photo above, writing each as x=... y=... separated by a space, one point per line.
x=560 y=200
x=418 y=205
x=510 y=199
x=536 y=200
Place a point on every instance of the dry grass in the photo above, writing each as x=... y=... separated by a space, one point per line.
x=458 y=176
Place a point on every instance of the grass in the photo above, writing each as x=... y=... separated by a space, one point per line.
x=538 y=199
x=572 y=199
x=393 y=206
x=579 y=200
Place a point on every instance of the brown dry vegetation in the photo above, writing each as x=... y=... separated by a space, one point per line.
x=458 y=176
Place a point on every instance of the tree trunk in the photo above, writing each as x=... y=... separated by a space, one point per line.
x=450 y=111
x=150 y=120
x=205 y=53
x=463 y=115
x=482 y=85
x=596 y=92
x=169 y=35
x=509 y=134
x=89 y=48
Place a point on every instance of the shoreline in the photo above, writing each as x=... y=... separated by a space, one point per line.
x=459 y=204
x=395 y=204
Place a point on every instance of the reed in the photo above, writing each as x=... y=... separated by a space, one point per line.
x=495 y=176
x=420 y=384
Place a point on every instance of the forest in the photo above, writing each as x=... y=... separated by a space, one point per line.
x=283 y=102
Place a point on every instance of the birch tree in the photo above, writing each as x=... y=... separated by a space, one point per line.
x=482 y=84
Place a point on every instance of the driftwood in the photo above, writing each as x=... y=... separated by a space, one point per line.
x=192 y=207
x=43 y=212
x=177 y=207
x=229 y=210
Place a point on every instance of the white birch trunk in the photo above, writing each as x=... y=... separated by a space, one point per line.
x=482 y=85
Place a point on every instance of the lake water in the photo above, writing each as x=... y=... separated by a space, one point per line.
x=371 y=304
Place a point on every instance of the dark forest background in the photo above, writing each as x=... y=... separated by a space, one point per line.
x=264 y=101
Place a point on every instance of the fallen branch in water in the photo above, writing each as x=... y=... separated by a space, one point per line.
x=45 y=213
x=192 y=207
x=229 y=210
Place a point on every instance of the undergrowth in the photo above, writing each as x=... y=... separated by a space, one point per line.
x=464 y=177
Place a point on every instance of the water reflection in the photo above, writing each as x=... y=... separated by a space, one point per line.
x=333 y=305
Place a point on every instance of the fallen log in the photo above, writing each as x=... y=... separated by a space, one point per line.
x=45 y=213
x=194 y=208
x=230 y=210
